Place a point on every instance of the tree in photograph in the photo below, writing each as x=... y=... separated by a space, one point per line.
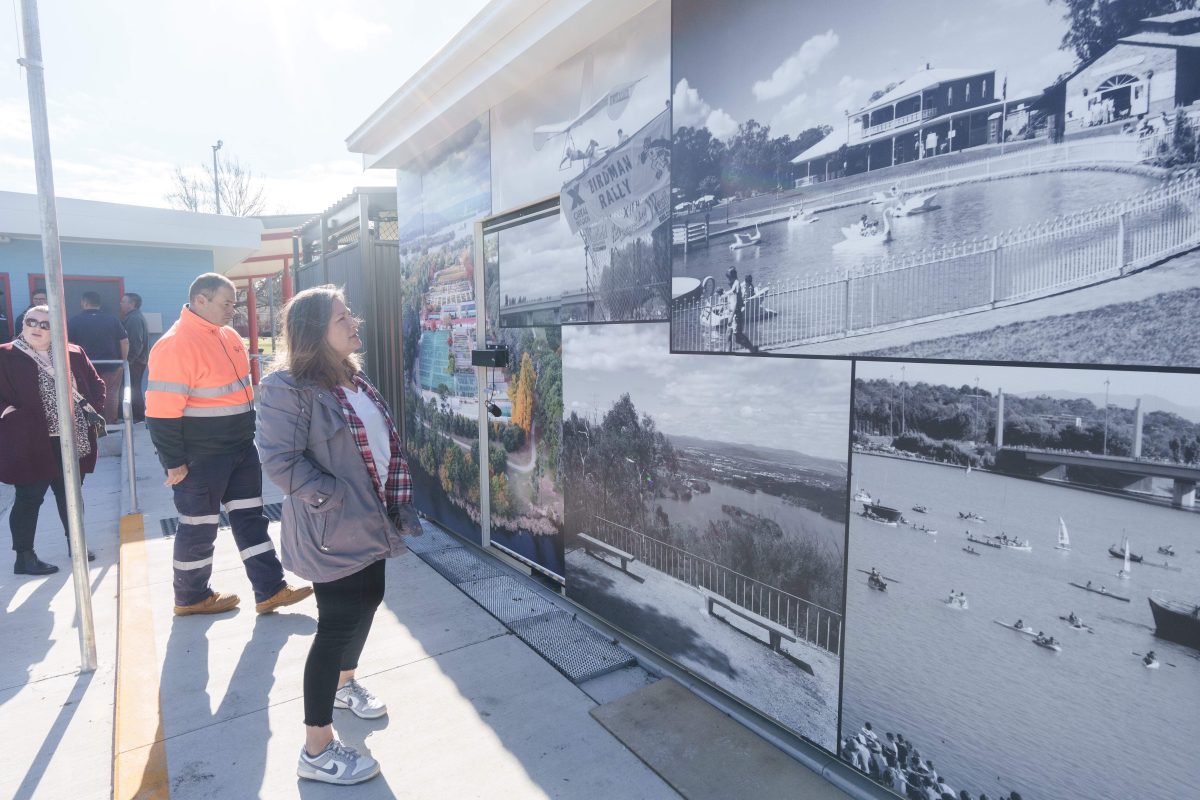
x=1094 y=26
x=520 y=392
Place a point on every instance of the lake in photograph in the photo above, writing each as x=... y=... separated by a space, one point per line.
x=994 y=712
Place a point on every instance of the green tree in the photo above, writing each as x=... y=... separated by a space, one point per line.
x=1094 y=26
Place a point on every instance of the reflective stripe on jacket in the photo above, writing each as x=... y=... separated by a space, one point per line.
x=199 y=397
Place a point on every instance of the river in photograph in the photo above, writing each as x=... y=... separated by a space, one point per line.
x=705 y=507
x=992 y=710
x=968 y=211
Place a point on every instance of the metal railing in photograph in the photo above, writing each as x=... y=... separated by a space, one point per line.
x=809 y=621
x=1068 y=252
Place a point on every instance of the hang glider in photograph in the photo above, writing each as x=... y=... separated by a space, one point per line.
x=614 y=101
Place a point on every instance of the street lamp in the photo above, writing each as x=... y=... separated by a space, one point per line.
x=216 y=181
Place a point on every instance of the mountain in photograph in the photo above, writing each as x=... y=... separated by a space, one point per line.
x=791 y=458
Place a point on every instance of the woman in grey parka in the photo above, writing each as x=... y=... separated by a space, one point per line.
x=327 y=438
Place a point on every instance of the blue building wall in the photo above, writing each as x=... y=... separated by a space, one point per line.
x=161 y=275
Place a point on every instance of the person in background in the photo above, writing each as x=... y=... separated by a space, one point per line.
x=36 y=299
x=99 y=333
x=139 y=350
x=200 y=412
x=30 y=455
x=328 y=440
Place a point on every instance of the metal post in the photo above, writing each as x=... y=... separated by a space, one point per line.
x=252 y=317
x=127 y=413
x=43 y=170
x=216 y=178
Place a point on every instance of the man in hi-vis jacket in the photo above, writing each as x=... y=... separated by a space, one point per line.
x=200 y=412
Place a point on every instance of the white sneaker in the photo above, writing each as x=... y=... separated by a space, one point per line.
x=337 y=764
x=356 y=698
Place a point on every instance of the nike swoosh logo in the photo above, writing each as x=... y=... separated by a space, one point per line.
x=332 y=770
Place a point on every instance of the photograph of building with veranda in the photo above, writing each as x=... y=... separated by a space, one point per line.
x=946 y=179
x=439 y=197
x=706 y=518
x=1022 y=607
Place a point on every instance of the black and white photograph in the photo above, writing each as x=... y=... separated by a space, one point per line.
x=594 y=131
x=1023 y=600
x=952 y=180
x=706 y=512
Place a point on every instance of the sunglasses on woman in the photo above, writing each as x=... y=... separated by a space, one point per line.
x=37 y=323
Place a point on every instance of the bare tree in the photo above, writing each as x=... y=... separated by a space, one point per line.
x=186 y=192
x=243 y=193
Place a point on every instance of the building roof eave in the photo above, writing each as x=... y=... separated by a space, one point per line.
x=507 y=46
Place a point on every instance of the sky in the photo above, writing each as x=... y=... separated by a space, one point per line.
x=794 y=404
x=1178 y=388
x=137 y=87
x=800 y=65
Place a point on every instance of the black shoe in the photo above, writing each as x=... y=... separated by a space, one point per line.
x=29 y=564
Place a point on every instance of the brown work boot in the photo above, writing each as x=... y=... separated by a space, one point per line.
x=284 y=597
x=215 y=603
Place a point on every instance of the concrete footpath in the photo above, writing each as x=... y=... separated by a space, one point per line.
x=211 y=707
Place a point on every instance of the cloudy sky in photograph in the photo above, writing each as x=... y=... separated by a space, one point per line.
x=1181 y=391
x=638 y=49
x=794 y=65
x=541 y=259
x=140 y=86
x=794 y=404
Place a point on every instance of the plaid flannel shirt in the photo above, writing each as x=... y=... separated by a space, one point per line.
x=398 y=489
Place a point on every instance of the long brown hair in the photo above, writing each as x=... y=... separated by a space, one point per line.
x=304 y=350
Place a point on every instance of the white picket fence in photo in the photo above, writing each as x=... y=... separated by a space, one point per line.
x=1071 y=251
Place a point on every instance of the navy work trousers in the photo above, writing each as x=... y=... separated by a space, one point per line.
x=235 y=480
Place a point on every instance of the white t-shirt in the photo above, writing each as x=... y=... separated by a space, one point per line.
x=374 y=423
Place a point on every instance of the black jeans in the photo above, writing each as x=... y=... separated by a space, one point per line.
x=136 y=373
x=22 y=520
x=345 y=609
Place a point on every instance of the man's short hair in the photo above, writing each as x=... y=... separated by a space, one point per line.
x=134 y=298
x=92 y=299
x=208 y=284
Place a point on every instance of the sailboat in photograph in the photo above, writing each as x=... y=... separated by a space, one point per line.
x=1124 y=573
x=1064 y=541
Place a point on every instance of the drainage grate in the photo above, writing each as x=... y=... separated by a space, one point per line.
x=459 y=565
x=507 y=599
x=573 y=648
x=432 y=540
x=170 y=525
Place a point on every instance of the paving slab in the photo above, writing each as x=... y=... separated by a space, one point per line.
x=660 y=722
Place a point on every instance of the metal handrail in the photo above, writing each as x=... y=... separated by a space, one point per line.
x=127 y=413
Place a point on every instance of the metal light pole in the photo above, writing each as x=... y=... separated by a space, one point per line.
x=1105 y=451
x=34 y=73
x=216 y=178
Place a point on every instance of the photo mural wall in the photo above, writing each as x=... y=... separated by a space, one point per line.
x=596 y=130
x=944 y=525
x=1006 y=620
x=726 y=481
x=973 y=180
x=439 y=199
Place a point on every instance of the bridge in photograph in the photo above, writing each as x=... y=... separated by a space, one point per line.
x=548 y=310
x=1120 y=473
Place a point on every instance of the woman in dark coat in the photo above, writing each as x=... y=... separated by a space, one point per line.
x=30 y=458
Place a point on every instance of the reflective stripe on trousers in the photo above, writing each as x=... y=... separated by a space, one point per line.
x=234 y=480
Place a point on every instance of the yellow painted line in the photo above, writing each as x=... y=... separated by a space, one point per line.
x=139 y=752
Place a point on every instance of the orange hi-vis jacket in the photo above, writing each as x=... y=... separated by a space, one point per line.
x=199 y=399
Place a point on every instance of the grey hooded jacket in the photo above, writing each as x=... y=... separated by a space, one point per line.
x=333 y=521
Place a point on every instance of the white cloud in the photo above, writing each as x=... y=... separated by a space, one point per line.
x=720 y=124
x=348 y=31
x=687 y=109
x=799 y=65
